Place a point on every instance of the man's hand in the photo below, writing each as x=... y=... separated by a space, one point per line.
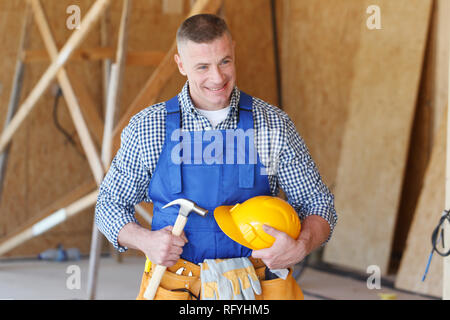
x=160 y=246
x=164 y=248
x=285 y=251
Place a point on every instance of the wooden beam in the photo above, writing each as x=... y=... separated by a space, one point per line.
x=149 y=58
x=159 y=78
x=66 y=207
x=144 y=213
x=105 y=39
x=74 y=41
x=72 y=102
x=115 y=85
x=145 y=58
x=88 y=107
x=114 y=89
x=88 y=54
x=16 y=86
x=52 y=217
x=148 y=95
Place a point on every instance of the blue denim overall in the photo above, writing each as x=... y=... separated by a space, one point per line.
x=198 y=167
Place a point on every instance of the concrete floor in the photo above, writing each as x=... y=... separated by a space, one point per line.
x=48 y=280
x=327 y=285
x=34 y=279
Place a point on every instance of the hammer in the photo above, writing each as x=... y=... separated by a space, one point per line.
x=186 y=207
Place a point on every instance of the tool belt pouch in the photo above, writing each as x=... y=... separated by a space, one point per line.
x=175 y=286
x=278 y=289
x=184 y=287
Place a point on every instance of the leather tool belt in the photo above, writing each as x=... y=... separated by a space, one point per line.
x=182 y=282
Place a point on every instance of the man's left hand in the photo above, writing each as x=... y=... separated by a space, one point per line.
x=285 y=251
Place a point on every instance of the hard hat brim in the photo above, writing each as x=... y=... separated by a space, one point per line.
x=227 y=225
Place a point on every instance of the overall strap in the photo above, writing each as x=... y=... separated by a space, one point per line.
x=173 y=120
x=245 y=101
x=247 y=170
x=173 y=123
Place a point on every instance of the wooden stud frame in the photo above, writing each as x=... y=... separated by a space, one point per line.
x=69 y=207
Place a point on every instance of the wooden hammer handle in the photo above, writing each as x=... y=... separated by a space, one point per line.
x=159 y=270
x=179 y=225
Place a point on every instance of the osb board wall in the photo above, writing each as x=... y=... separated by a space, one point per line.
x=423 y=216
x=43 y=167
x=46 y=166
x=426 y=217
x=318 y=43
x=251 y=26
x=149 y=28
x=431 y=101
x=382 y=101
x=254 y=52
x=440 y=90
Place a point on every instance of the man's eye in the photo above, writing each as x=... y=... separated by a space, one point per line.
x=202 y=68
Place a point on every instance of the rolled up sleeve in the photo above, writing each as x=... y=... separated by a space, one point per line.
x=124 y=186
x=300 y=179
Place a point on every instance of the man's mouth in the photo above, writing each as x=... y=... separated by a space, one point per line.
x=217 y=89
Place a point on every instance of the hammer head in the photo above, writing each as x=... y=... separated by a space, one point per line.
x=187 y=206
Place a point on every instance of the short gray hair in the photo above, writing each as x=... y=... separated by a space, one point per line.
x=202 y=28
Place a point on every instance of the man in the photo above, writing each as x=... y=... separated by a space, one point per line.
x=145 y=168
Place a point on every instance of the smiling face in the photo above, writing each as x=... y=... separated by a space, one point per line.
x=210 y=69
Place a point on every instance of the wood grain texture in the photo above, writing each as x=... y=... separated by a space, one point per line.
x=50 y=73
x=254 y=49
x=161 y=77
x=44 y=168
x=430 y=106
x=319 y=44
x=375 y=143
x=440 y=81
x=426 y=217
x=255 y=62
x=43 y=165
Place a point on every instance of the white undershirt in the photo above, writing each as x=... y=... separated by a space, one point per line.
x=215 y=117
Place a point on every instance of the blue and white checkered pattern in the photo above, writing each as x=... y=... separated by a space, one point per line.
x=279 y=146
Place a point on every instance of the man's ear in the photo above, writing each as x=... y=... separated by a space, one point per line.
x=179 y=64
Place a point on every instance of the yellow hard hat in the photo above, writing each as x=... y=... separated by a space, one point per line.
x=243 y=222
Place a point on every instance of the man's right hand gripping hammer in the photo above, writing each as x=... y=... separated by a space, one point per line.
x=186 y=207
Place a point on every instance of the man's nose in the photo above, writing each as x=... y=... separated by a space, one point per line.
x=217 y=75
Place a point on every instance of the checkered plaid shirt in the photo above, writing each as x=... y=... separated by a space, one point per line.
x=279 y=146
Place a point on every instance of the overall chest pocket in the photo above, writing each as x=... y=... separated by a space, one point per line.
x=201 y=184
